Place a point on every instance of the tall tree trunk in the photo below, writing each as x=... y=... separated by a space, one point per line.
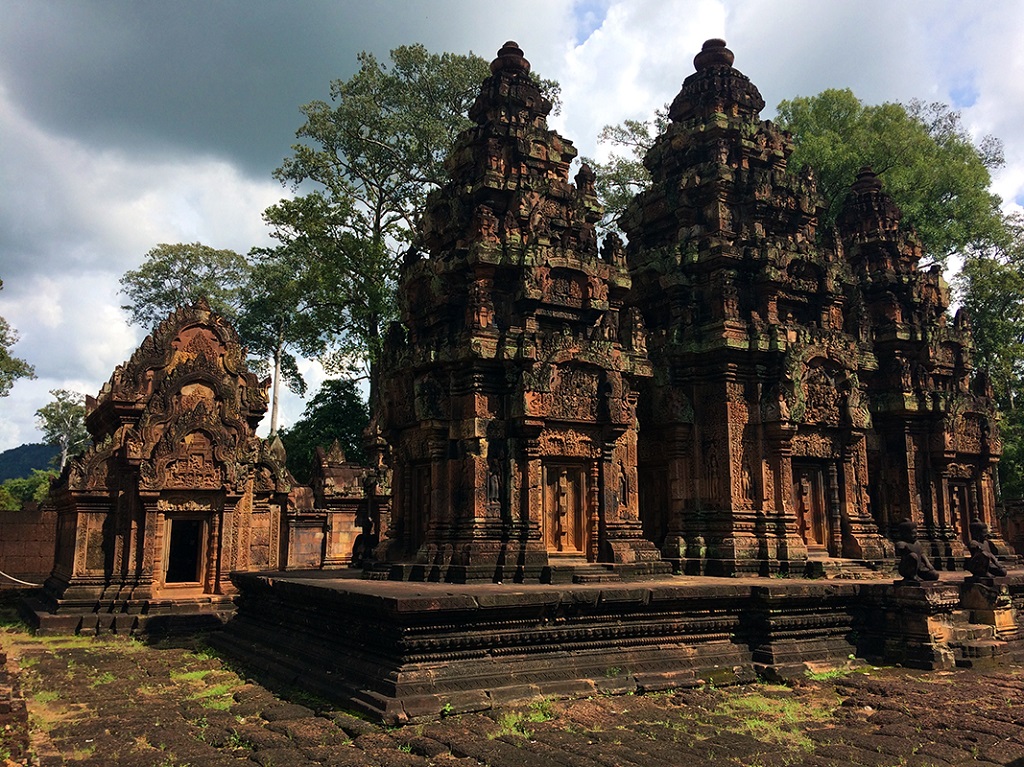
x=276 y=387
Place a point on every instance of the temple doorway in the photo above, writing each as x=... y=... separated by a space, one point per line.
x=810 y=504
x=566 y=529
x=961 y=512
x=185 y=551
x=419 y=508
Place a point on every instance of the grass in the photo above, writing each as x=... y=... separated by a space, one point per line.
x=769 y=714
x=511 y=723
x=190 y=676
x=833 y=673
x=105 y=678
x=540 y=711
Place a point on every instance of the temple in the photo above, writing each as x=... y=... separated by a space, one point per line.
x=808 y=392
x=508 y=393
x=741 y=389
x=176 y=492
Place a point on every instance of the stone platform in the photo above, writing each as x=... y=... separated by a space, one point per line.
x=408 y=651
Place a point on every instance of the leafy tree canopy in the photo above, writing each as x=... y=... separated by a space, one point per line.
x=337 y=412
x=11 y=368
x=179 y=274
x=371 y=155
x=990 y=286
x=62 y=422
x=15 y=493
x=624 y=175
x=275 y=320
x=928 y=162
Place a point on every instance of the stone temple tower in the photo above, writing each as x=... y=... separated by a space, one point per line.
x=935 y=445
x=509 y=388
x=753 y=449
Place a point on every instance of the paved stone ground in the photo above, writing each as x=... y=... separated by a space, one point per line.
x=117 y=701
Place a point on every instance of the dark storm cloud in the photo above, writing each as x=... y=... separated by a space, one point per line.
x=220 y=78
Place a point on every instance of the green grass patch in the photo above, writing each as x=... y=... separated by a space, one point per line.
x=833 y=673
x=772 y=718
x=540 y=711
x=190 y=676
x=105 y=678
x=511 y=723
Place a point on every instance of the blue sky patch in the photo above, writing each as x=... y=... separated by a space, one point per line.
x=589 y=16
x=964 y=94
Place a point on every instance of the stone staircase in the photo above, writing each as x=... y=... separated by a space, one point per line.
x=580 y=572
x=847 y=569
x=975 y=645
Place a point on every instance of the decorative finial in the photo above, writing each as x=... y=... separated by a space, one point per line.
x=713 y=54
x=867 y=181
x=510 y=57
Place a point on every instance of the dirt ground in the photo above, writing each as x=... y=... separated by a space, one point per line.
x=117 y=701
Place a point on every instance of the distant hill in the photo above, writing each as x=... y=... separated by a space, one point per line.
x=19 y=461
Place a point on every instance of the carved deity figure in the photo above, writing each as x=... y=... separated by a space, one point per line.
x=494 y=483
x=984 y=560
x=914 y=564
x=562 y=510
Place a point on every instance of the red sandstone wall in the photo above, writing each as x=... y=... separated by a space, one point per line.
x=27 y=544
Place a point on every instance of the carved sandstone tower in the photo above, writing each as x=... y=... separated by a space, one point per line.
x=935 y=445
x=753 y=450
x=508 y=396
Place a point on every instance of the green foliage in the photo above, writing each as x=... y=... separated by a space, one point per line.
x=990 y=287
x=926 y=159
x=511 y=723
x=15 y=493
x=624 y=176
x=1011 y=464
x=347 y=282
x=337 y=412
x=276 y=319
x=179 y=275
x=371 y=156
x=11 y=368
x=62 y=422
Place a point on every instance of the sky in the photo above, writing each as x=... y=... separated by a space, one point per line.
x=127 y=124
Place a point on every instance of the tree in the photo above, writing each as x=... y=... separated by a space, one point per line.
x=275 y=318
x=373 y=154
x=63 y=423
x=337 y=412
x=179 y=275
x=990 y=287
x=15 y=493
x=928 y=162
x=624 y=176
x=11 y=368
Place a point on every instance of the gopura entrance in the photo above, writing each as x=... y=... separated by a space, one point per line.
x=177 y=491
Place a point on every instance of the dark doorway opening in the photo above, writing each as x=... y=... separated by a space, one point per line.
x=184 y=551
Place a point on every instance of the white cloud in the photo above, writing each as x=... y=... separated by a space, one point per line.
x=74 y=217
x=634 y=62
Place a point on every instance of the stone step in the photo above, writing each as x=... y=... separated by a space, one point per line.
x=845 y=569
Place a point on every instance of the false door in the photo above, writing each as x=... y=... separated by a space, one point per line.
x=565 y=518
